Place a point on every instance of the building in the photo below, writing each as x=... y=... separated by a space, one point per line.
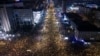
x=5 y=24
x=20 y=19
x=85 y=29
x=15 y=19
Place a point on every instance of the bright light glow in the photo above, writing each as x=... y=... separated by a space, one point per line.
x=17 y=0
x=76 y=38
x=34 y=24
x=67 y=22
x=68 y=31
x=87 y=43
x=44 y=28
x=82 y=40
x=10 y=35
x=13 y=35
x=0 y=31
x=3 y=37
x=74 y=8
x=37 y=16
x=65 y=18
x=28 y=50
x=26 y=19
x=92 y=5
x=71 y=27
x=6 y=36
x=59 y=14
x=66 y=38
x=57 y=22
x=9 y=39
x=2 y=34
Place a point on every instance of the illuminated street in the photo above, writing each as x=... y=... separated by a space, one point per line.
x=48 y=39
x=47 y=43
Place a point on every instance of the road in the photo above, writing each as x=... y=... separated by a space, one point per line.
x=47 y=41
